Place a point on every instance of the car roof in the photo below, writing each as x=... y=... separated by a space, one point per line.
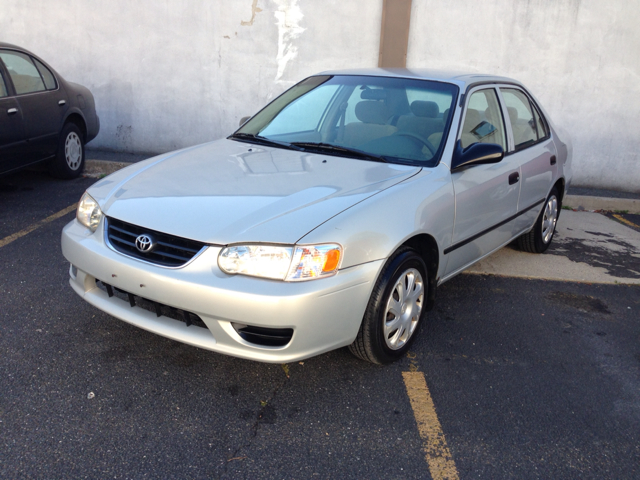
x=8 y=45
x=462 y=79
x=24 y=50
x=20 y=49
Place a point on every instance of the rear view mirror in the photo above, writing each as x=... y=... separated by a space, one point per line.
x=243 y=120
x=476 y=154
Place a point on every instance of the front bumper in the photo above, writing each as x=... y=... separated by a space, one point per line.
x=324 y=314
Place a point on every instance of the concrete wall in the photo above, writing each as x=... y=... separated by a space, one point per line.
x=580 y=58
x=172 y=73
x=168 y=74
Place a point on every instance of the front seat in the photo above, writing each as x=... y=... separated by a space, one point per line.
x=372 y=125
x=424 y=121
x=471 y=121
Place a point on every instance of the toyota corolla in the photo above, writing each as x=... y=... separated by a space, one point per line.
x=328 y=219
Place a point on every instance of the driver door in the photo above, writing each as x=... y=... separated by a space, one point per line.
x=486 y=196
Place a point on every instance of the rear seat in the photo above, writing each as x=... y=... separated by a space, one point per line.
x=522 y=131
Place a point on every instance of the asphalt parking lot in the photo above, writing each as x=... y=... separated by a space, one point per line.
x=527 y=378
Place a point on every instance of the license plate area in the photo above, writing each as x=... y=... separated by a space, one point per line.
x=160 y=309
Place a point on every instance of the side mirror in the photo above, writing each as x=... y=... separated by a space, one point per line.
x=476 y=154
x=243 y=120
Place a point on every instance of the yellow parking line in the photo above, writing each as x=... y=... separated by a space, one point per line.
x=7 y=240
x=625 y=221
x=434 y=445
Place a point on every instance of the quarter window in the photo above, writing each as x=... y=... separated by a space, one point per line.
x=47 y=76
x=523 y=124
x=483 y=120
x=23 y=72
x=3 y=88
x=541 y=126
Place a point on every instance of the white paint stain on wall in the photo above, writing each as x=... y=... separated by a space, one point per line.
x=288 y=17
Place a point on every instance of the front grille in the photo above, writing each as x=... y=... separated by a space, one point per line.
x=167 y=250
x=159 y=309
x=266 y=337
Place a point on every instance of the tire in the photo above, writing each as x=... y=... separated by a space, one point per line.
x=69 y=160
x=388 y=330
x=538 y=239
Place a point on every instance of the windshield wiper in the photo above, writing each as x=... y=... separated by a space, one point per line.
x=345 y=151
x=250 y=137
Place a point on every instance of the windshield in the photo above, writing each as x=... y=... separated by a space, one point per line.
x=391 y=119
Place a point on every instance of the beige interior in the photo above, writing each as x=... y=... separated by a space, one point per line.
x=424 y=122
x=372 y=115
x=26 y=83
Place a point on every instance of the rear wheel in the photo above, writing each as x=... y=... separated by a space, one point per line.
x=69 y=161
x=539 y=238
x=395 y=310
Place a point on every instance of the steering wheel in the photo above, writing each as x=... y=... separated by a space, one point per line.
x=424 y=141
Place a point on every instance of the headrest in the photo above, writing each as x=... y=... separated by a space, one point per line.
x=471 y=120
x=373 y=94
x=422 y=108
x=488 y=114
x=371 y=111
x=445 y=114
x=513 y=114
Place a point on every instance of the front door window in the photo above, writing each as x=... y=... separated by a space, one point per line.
x=483 y=120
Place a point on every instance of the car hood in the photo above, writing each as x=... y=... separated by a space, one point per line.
x=227 y=192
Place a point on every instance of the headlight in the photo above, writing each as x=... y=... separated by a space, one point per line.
x=257 y=260
x=287 y=263
x=315 y=261
x=89 y=213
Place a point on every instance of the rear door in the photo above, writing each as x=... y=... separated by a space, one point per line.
x=486 y=196
x=41 y=102
x=12 y=133
x=533 y=150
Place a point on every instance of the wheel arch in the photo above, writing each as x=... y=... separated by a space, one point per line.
x=427 y=248
x=560 y=186
x=79 y=121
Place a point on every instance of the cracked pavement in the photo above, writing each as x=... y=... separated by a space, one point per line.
x=587 y=247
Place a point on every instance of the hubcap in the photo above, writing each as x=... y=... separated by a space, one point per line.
x=403 y=309
x=549 y=219
x=73 y=151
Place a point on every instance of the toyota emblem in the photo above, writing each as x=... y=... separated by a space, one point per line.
x=144 y=243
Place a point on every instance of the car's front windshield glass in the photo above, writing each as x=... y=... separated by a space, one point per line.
x=397 y=120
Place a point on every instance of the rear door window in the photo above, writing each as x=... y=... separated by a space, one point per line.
x=23 y=73
x=523 y=124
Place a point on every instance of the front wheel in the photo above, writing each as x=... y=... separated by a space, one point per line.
x=69 y=160
x=395 y=310
x=539 y=238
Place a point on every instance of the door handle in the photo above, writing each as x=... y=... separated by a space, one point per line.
x=62 y=102
x=11 y=111
x=513 y=178
x=553 y=159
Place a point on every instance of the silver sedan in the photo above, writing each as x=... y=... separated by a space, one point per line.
x=327 y=219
